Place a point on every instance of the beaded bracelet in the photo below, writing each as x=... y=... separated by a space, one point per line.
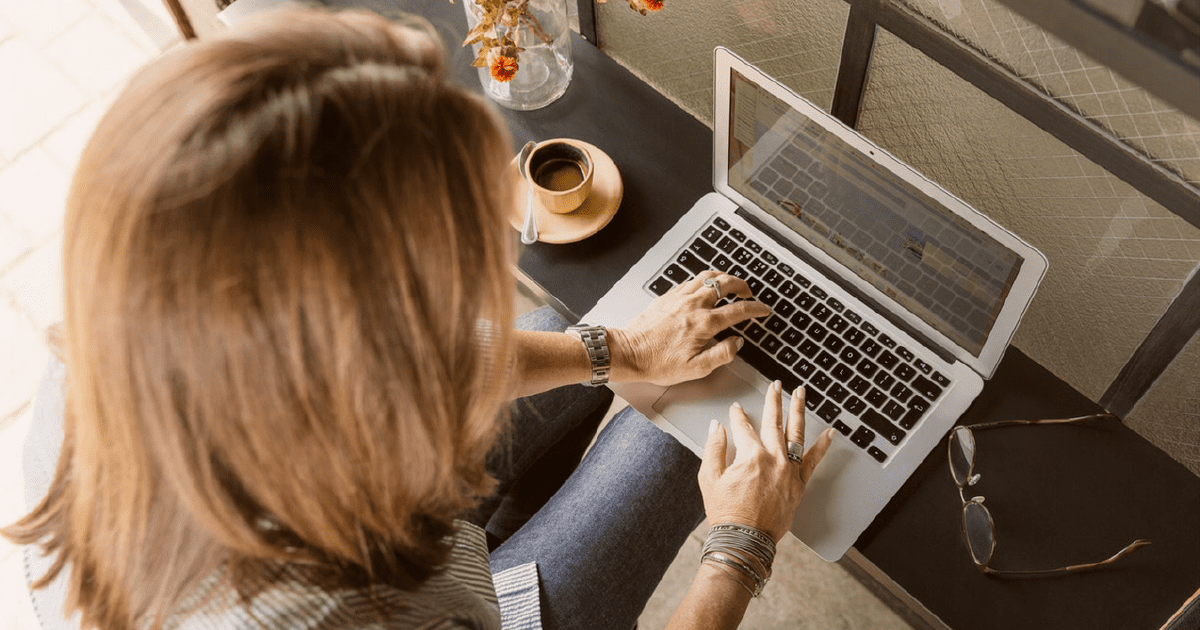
x=745 y=549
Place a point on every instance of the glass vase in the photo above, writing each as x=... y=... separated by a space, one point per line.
x=544 y=67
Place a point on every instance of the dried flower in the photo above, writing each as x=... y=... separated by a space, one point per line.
x=503 y=66
x=498 y=32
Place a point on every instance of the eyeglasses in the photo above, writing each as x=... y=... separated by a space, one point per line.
x=978 y=528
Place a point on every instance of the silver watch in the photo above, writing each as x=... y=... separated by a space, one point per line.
x=595 y=339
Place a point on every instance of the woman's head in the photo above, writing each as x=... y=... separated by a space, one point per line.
x=284 y=253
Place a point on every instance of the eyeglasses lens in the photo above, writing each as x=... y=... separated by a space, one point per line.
x=962 y=454
x=977 y=523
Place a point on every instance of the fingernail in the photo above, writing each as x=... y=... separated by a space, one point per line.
x=739 y=343
x=777 y=386
x=737 y=405
x=712 y=426
x=798 y=391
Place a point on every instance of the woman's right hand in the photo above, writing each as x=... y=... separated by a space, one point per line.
x=762 y=488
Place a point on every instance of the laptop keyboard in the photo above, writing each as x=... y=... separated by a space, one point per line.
x=860 y=380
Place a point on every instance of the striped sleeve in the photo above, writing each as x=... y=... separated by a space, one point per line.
x=517 y=590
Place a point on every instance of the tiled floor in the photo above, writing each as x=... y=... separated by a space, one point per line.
x=61 y=62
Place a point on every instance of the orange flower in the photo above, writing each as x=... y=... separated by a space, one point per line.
x=654 y=5
x=503 y=67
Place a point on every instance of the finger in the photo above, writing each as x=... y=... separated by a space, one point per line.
x=735 y=285
x=744 y=438
x=712 y=465
x=714 y=356
x=796 y=417
x=815 y=455
x=730 y=314
x=696 y=282
x=772 y=420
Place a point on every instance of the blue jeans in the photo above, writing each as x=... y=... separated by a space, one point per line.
x=605 y=534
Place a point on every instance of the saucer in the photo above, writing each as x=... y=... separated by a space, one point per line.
x=590 y=217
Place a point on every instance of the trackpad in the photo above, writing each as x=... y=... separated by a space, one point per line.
x=691 y=405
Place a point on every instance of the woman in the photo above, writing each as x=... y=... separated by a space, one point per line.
x=286 y=260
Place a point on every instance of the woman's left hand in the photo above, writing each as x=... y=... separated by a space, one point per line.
x=672 y=340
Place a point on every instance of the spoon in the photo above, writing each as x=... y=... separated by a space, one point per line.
x=529 y=233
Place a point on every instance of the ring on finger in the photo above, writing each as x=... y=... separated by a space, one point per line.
x=715 y=285
x=795 y=452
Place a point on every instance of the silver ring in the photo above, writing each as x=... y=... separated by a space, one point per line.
x=795 y=452
x=715 y=285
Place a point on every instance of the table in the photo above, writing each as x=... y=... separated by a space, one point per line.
x=1060 y=494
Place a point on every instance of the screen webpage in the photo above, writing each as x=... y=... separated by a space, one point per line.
x=932 y=262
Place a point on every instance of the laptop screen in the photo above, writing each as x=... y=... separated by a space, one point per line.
x=911 y=247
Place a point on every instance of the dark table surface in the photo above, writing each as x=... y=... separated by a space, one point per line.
x=1059 y=494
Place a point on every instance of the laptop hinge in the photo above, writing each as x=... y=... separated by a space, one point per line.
x=848 y=287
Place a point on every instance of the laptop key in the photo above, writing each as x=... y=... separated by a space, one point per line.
x=901 y=392
x=821 y=312
x=884 y=380
x=676 y=274
x=771 y=344
x=887 y=359
x=691 y=262
x=940 y=380
x=829 y=411
x=809 y=348
x=893 y=410
x=767 y=296
x=661 y=286
x=786 y=270
x=820 y=380
x=721 y=223
x=801 y=320
x=887 y=341
x=826 y=360
x=806 y=301
x=792 y=337
x=838 y=393
x=837 y=323
x=870 y=347
x=813 y=399
x=721 y=263
x=906 y=354
x=877 y=453
x=789 y=289
x=876 y=397
x=923 y=366
x=855 y=405
x=805 y=369
x=743 y=256
x=771 y=259
x=756 y=285
x=820 y=293
x=842 y=427
x=777 y=325
x=755 y=333
x=842 y=372
x=877 y=421
x=784 y=309
x=926 y=388
x=739 y=236
x=854 y=336
x=860 y=385
x=758 y=267
x=862 y=437
x=773 y=277
x=904 y=372
x=916 y=408
x=737 y=271
x=870 y=329
x=787 y=356
x=850 y=355
x=854 y=318
x=835 y=304
x=727 y=245
x=712 y=234
x=703 y=250
x=817 y=332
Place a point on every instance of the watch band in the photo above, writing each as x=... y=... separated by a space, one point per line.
x=595 y=339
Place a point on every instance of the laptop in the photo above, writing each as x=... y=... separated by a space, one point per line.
x=893 y=300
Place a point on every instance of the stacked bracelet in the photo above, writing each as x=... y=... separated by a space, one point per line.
x=747 y=551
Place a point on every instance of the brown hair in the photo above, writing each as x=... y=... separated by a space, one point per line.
x=287 y=297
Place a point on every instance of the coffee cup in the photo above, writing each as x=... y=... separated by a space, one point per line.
x=560 y=173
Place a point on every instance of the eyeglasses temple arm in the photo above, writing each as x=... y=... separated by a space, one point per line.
x=1008 y=423
x=1137 y=544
